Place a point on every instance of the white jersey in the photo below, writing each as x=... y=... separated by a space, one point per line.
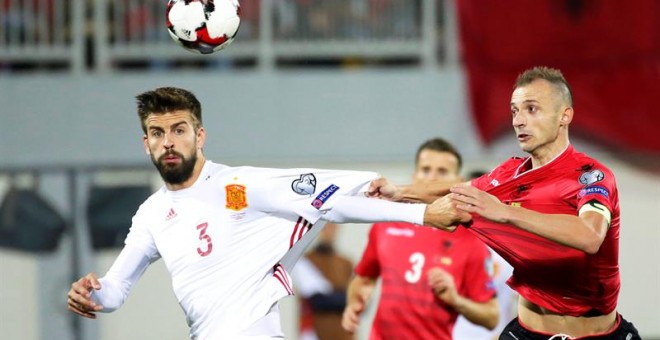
x=222 y=239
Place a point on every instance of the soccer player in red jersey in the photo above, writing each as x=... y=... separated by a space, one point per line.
x=554 y=216
x=429 y=277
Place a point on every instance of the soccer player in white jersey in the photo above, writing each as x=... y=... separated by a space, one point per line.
x=222 y=231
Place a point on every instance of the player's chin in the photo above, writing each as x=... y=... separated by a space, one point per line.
x=526 y=147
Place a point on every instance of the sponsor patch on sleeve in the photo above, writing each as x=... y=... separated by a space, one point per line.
x=324 y=196
x=594 y=190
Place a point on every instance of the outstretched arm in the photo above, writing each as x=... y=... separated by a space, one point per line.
x=585 y=232
x=420 y=191
x=441 y=214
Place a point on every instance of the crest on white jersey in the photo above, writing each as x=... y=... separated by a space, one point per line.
x=305 y=185
x=236 y=198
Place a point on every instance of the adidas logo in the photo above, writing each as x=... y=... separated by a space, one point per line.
x=170 y=215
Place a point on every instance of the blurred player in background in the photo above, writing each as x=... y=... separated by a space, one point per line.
x=321 y=279
x=222 y=231
x=507 y=298
x=554 y=216
x=429 y=277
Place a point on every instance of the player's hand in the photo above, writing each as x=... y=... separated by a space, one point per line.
x=79 y=300
x=472 y=200
x=350 y=319
x=382 y=188
x=443 y=285
x=443 y=214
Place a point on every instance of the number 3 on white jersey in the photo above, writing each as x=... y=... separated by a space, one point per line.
x=415 y=272
x=203 y=236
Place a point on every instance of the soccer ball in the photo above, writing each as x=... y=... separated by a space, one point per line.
x=203 y=26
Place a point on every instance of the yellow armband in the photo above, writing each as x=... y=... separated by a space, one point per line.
x=597 y=207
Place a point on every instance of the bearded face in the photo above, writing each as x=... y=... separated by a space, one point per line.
x=174 y=145
x=174 y=167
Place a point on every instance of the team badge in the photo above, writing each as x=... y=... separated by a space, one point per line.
x=305 y=185
x=591 y=177
x=446 y=260
x=515 y=204
x=236 y=197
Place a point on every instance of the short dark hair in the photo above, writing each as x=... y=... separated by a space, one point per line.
x=439 y=145
x=168 y=99
x=553 y=76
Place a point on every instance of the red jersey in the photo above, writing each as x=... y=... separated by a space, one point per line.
x=401 y=254
x=553 y=276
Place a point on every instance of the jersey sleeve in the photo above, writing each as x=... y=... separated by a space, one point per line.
x=309 y=193
x=369 y=266
x=598 y=185
x=479 y=275
x=140 y=238
x=118 y=282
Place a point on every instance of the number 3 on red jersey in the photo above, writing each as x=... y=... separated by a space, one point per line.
x=204 y=237
x=417 y=260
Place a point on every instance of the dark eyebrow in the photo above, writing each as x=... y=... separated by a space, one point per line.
x=179 y=123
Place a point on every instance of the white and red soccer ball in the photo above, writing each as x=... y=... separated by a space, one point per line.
x=203 y=26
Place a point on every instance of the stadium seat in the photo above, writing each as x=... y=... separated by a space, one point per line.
x=29 y=223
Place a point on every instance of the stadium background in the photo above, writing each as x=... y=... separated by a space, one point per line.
x=352 y=84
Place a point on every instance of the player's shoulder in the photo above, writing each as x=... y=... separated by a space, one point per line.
x=216 y=174
x=590 y=169
x=384 y=230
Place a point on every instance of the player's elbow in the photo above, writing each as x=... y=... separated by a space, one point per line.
x=487 y=315
x=591 y=245
x=493 y=319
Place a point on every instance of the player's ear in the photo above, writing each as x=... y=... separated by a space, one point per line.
x=145 y=141
x=201 y=138
x=566 y=116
